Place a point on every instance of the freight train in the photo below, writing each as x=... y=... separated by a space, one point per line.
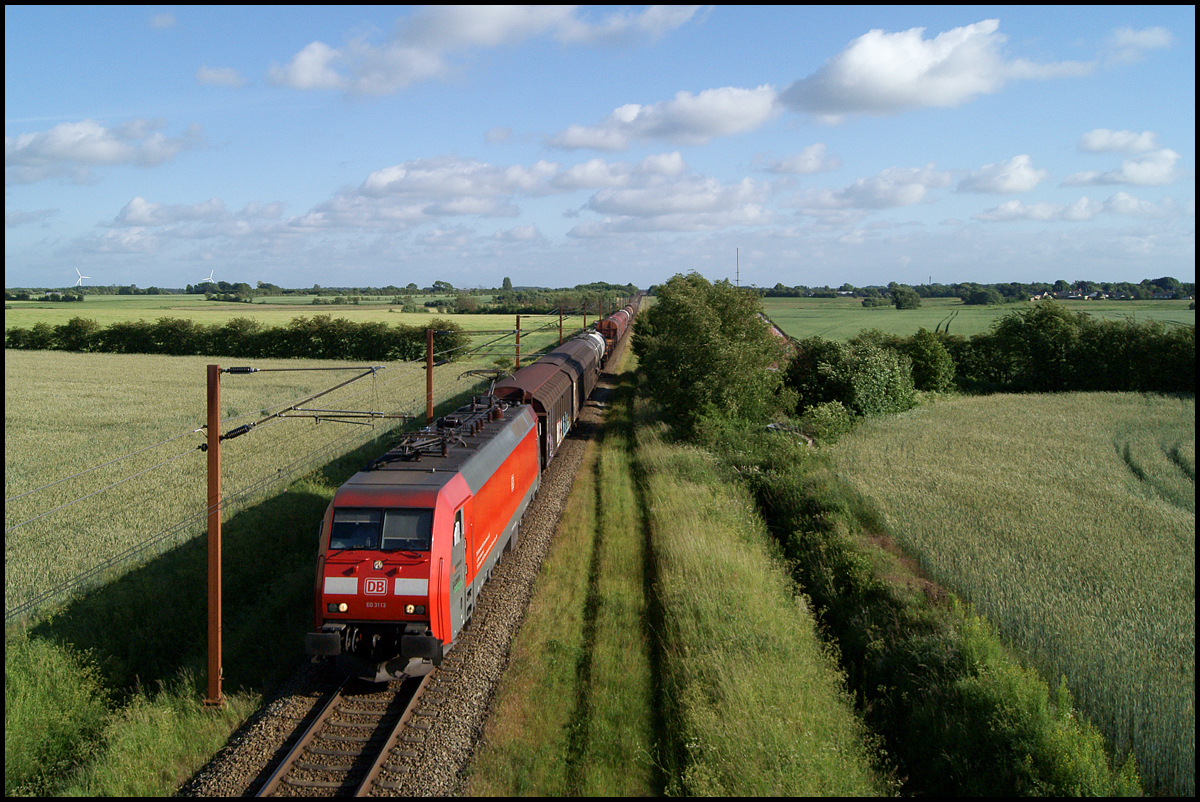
x=408 y=543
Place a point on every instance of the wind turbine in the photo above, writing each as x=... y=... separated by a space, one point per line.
x=81 y=277
x=208 y=280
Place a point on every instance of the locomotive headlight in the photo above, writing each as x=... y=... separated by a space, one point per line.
x=340 y=607
x=378 y=564
x=414 y=609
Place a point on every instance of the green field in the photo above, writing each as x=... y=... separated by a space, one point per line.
x=842 y=318
x=271 y=311
x=1069 y=522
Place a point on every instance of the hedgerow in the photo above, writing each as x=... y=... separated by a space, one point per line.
x=318 y=337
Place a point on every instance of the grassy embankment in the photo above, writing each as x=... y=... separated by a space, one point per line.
x=664 y=650
x=1069 y=522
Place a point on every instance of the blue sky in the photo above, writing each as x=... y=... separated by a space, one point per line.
x=366 y=146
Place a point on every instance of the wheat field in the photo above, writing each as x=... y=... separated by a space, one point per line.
x=1069 y=521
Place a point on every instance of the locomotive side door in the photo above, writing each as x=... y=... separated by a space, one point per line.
x=458 y=576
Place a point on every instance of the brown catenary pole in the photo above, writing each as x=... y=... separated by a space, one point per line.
x=428 y=376
x=518 y=343
x=215 y=697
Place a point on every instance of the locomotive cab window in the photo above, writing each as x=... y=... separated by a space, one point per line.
x=387 y=530
x=407 y=529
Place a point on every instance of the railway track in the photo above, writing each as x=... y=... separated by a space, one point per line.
x=350 y=742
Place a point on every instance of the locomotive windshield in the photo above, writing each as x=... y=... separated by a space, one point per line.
x=386 y=530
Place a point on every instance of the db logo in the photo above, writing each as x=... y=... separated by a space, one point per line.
x=375 y=587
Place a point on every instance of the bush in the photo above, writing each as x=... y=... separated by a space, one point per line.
x=77 y=334
x=827 y=422
x=932 y=366
x=905 y=297
x=1047 y=348
x=54 y=710
x=879 y=381
x=986 y=295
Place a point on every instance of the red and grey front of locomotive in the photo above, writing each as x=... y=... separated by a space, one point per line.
x=405 y=548
x=374 y=607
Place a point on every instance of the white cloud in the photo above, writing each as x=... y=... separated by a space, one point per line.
x=162 y=21
x=219 y=76
x=744 y=215
x=449 y=178
x=527 y=233
x=687 y=195
x=123 y=241
x=597 y=173
x=887 y=73
x=1081 y=210
x=424 y=45
x=893 y=187
x=808 y=161
x=498 y=134
x=14 y=218
x=1154 y=169
x=1127 y=45
x=1102 y=140
x=70 y=149
x=688 y=119
x=593 y=174
x=139 y=212
x=310 y=69
x=1015 y=175
x=624 y=26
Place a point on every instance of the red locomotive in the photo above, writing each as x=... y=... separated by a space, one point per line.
x=408 y=542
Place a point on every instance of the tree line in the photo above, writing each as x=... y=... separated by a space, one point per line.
x=318 y=337
x=707 y=349
x=1003 y=292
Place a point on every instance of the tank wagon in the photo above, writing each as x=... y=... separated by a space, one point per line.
x=408 y=542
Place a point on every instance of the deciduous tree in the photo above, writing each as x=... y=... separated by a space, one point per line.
x=706 y=347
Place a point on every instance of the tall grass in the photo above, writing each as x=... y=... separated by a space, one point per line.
x=759 y=706
x=55 y=705
x=64 y=734
x=1069 y=522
